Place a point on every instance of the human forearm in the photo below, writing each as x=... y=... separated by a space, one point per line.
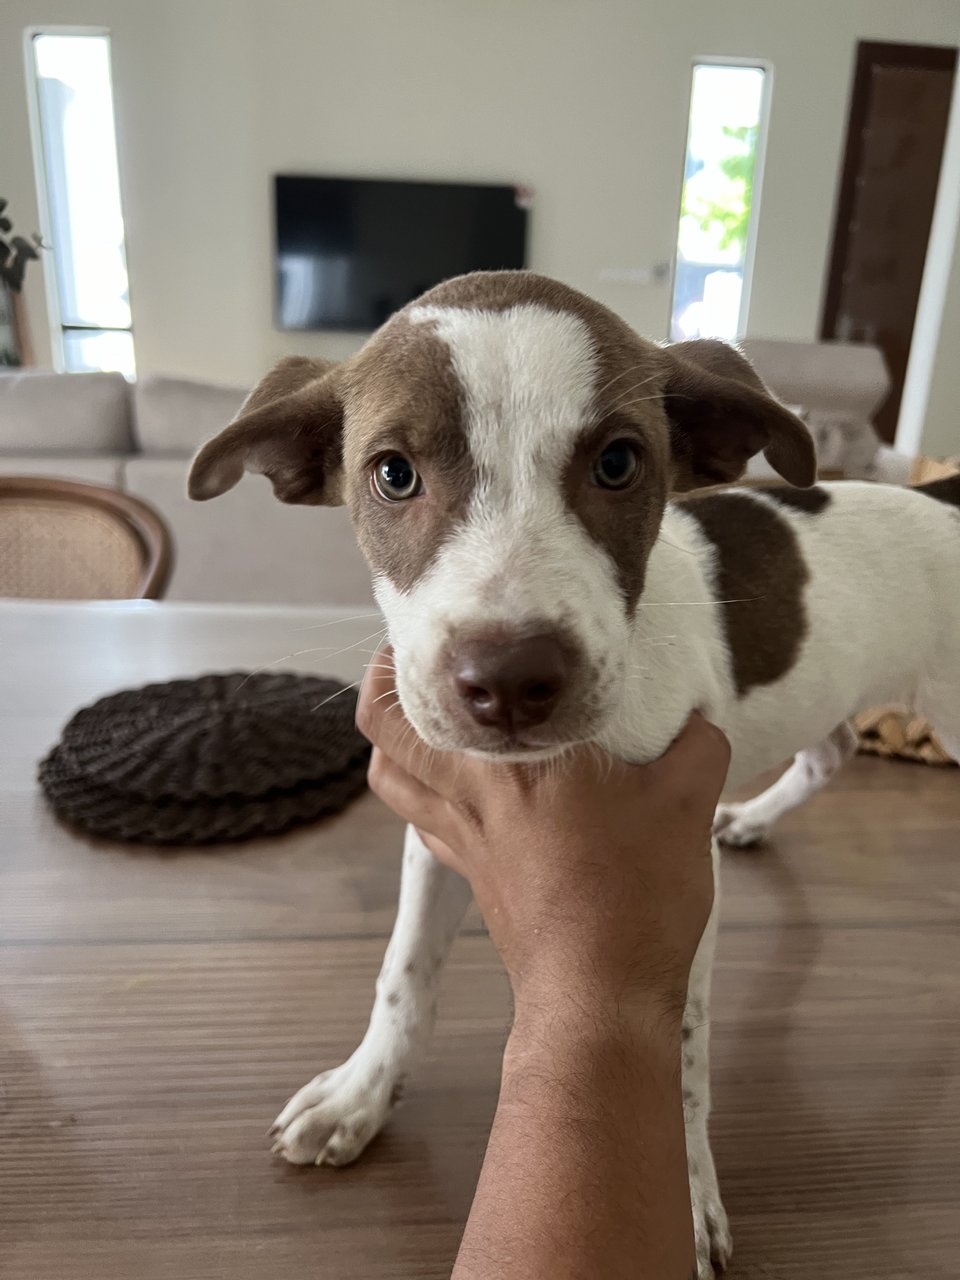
x=585 y=1175
x=596 y=884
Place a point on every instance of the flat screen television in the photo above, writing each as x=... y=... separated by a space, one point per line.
x=351 y=251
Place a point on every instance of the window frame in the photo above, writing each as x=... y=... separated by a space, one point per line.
x=55 y=319
x=759 y=166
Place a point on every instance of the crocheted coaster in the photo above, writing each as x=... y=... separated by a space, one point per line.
x=222 y=757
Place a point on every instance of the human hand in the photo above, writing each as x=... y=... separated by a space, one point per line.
x=593 y=876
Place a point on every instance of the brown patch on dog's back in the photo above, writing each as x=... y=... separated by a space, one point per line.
x=760 y=577
x=810 y=501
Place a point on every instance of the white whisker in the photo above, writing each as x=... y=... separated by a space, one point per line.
x=629 y=391
x=336 y=622
x=687 y=551
x=622 y=374
x=628 y=404
x=339 y=692
x=300 y=653
x=671 y=604
x=385 y=694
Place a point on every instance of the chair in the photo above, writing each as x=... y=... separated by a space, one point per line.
x=63 y=540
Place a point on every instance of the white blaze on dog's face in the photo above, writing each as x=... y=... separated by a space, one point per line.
x=511 y=634
x=505 y=446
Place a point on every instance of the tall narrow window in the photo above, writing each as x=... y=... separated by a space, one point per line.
x=80 y=189
x=718 y=208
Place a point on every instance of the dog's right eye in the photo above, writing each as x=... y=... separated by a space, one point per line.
x=618 y=466
x=396 y=479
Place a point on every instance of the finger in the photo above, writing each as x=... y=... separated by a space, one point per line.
x=408 y=797
x=442 y=852
x=694 y=766
x=381 y=719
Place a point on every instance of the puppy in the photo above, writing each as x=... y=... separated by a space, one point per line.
x=506 y=448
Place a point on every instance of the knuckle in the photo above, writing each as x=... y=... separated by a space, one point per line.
x=471 y=814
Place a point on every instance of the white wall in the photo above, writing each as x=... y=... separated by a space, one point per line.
x=585 y=100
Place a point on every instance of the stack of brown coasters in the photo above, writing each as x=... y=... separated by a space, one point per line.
x=222 y=757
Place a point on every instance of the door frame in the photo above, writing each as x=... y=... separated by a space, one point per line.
x=869 y=52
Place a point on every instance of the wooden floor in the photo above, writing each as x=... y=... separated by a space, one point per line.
x=156 y=1009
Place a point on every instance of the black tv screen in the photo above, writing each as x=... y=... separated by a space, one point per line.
x=350 y=252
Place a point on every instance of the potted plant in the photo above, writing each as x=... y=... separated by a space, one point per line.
x=15 y=253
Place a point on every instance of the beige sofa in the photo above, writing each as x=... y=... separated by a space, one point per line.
x=836 y=387
x=245 y=546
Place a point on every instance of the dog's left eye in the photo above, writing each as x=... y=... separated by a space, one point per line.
x=617 y=465
x=396 y=479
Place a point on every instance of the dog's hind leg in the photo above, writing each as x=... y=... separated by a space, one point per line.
x=751 y=821
x=711 y=1230
x=338 y=1113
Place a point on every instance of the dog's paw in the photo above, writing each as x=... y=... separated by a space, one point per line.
x=334 y=1117
x=711 y=1232
x=733 y=825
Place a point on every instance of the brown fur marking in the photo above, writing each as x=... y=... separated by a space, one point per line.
x=402 y=396
x=628 y=370
x=810 y=501
x=761 y=576
x=624 y=523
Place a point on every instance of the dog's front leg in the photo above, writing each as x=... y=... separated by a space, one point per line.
x=711 y=1229
x=332 y=1118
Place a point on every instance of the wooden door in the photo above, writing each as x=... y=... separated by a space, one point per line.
x=888 y=185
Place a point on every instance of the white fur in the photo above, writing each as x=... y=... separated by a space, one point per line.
x=331 y=1119
x=529 y=383
x=520 y=557
x=528 y=379
x=871 y=541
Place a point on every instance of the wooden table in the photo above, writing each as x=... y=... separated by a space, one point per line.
x=155 y=1009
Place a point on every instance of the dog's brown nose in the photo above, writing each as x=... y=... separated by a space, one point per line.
x=511 y=684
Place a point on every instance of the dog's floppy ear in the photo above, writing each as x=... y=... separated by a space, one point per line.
x=721 y=414
x=289 y=429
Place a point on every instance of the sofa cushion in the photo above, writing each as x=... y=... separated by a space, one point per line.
x=836 y=377
x=176 y=415
x=105 y=469
x=248 y=547
x=43 y=412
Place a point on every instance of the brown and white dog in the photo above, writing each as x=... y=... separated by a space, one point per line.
x=506 y=448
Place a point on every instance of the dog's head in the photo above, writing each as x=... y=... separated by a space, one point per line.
x=506 y=446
